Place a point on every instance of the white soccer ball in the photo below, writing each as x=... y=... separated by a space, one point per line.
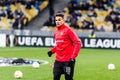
x=111 y=67
x=35 y=65
x=18 y=74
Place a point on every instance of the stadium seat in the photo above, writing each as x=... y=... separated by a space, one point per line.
x=13 y=7
x=33 y=12
x=43 y=5
x=28 y=13
x=7 y=24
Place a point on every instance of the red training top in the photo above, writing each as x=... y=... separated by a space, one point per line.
x=67 y=44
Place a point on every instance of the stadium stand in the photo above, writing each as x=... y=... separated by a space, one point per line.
x=98 y=15
x=15 y=14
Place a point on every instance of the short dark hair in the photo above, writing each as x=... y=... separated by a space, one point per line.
x=60 y=15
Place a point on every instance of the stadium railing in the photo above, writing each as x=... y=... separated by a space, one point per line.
x=50 y=33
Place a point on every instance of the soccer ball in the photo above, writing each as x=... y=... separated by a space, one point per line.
x=35 y=65
x=111 y=67
x=18 y=74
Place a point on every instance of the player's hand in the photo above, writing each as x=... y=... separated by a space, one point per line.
x=49 y=53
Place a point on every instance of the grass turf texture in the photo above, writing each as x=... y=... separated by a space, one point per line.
x=91 y=64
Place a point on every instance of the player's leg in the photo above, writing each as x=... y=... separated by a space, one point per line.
x=57 y=72
x=69 y=72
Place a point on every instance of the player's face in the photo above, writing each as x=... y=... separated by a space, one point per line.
x=59 y=21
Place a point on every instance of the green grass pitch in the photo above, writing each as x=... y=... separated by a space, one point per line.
x=91 y=64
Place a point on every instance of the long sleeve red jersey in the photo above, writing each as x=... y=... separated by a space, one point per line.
x=67 y=44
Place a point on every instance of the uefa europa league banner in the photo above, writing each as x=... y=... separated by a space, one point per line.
x=2 y=40
x=48 y=41
x=30 y=41
x=112 y=43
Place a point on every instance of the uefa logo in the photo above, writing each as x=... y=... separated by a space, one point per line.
x=11 y=40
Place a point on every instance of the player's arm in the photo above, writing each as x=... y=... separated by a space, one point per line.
x=76 y=43
x=52 y=51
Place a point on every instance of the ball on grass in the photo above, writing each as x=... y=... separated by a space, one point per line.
x=35 y=65
x=18 y=74
x=111 y=67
